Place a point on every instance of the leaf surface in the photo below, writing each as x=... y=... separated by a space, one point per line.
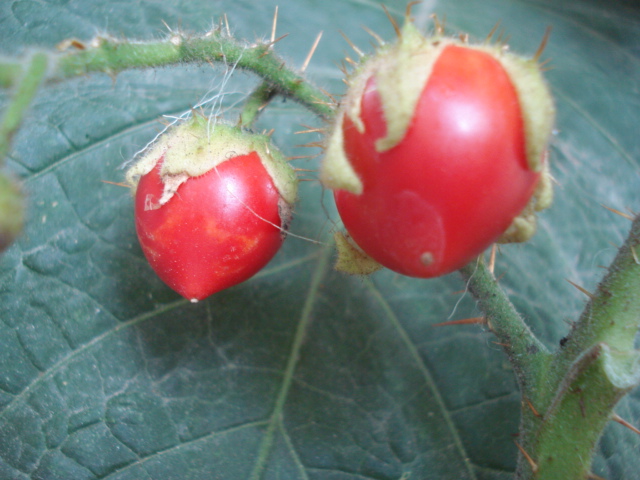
x=300 y=372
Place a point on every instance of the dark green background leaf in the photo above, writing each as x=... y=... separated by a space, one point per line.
x=300 y=372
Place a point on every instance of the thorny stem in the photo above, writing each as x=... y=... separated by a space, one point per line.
x=595 y=367
x=525 y=351
x=610 y=318
x=111 y=56
x=576 y=388
x=612 y=315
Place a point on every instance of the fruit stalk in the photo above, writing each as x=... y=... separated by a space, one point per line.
x=255 y=103
x=111 y=56
x=527 y=354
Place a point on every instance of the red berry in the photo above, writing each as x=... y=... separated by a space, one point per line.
x=424 y=191
x=207 y=232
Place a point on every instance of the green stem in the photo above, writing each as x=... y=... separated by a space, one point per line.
x=255 y=103
x=21 y=101
x=561 y=441
x=586 y=378
x=527 y=354
x=612 y=315
x=110 y=56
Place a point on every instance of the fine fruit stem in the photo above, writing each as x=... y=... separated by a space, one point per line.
x=255 y=103
x=526 y=353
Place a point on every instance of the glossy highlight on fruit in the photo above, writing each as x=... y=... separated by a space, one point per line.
x=210 y=231
x=427 y=178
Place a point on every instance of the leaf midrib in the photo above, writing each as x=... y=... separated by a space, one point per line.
x=275 y=419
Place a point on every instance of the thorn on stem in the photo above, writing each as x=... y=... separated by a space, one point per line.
x=305 y=157
x=465 y=321
x=545 y=66
x=307 y=60
x=503 y=38
x=377 y=37
x=226 y=25
x=628 y=216
x=310 y=130
x=407 y=12
x=492 y=32
x=623 y=422
x=345 y=71
x=532 y=464
x=274 y=25
x=351 y=44
x=543 y=44
x=351 y=61
x=333 y=99
x=320 y=102
x=115 y=183
x=312 y=145
x=532 y=408
x=166 y=25
x=492 y=258
x=583 y=290
x=273 y=42
x=395 y=25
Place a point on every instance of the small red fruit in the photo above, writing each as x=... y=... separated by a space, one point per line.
x=211 y=206
x=439 y=150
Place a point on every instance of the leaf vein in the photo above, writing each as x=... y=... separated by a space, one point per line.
x=428 y=378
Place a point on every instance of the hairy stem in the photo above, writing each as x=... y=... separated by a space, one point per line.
x=612 y=315
x=256 y=102
x=569 y=397
x=586 y=378
x=111 y=56
x=526 y=353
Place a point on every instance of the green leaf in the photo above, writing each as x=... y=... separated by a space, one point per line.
x=300 y=372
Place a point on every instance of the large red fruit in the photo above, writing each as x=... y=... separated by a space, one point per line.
x=434 y=179
x=217 y=226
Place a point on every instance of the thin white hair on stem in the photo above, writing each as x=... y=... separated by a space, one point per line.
x=466 y=290
x=212 y=102
x=215 y=103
